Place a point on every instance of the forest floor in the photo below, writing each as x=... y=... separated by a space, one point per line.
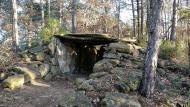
x=35 y=96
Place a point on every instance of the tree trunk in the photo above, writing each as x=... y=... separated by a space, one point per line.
x=142 y=17
x=149 y=75
x=49 y=8
x=42 y=12
x=138 y=20
x=118 y=18
x=187 y=3
x=30 y=24
x=74 y=16
x=61 y=11
x=134 y=21
x=173 y=29
x=147 y=18
x=15 y=27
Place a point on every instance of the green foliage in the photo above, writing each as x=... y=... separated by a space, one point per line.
x=52 y=27
x=169 y=49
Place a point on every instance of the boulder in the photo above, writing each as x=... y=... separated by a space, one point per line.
x=133 y=79
x=75 y=99
x=52 y=46
x=44 y=69
x=40 y=56
x=79 y=81
x=122 y=87
x=37 y=49
x=53 y=61
x=52 y=73
x=87 y=85
x=65 y=56
x=105 y=65
x=121 y=47
x=97 y=75
x=127 y=48
x=14 y=82
x=119 y=100
x=28 y=73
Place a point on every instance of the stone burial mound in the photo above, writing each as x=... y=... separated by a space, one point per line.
x=77 y=53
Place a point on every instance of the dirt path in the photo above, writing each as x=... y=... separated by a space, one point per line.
x=33 y=96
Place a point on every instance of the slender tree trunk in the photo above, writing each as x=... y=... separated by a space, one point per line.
x=147 y=18
x=42 y=12
x=30 y=29
x=142 y=17
x=49 y=8
x=187 y=3
x=15 y=27
x=118 y=18
x=173 y=28
x=149 y=75
x=134 y=21
x=74 y=16
x=188 y=33
x=138 y=20
x=61 y=11
x=106 y=10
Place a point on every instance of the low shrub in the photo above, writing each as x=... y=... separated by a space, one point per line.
x=176 y=51
x=52 y=27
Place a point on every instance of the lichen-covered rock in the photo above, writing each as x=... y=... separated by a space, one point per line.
x=133 y=79
x=52 y=73
x=14 y=82
x=105 y=65
x=122 y=47
x=87 y=85
x=44 y=69
x=79 y=81
x=119 y=100
x=97 y=75
x=122 y=87
x=75 y=99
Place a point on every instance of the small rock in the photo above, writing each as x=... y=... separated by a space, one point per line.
x=3 y=75
x=14 y=82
